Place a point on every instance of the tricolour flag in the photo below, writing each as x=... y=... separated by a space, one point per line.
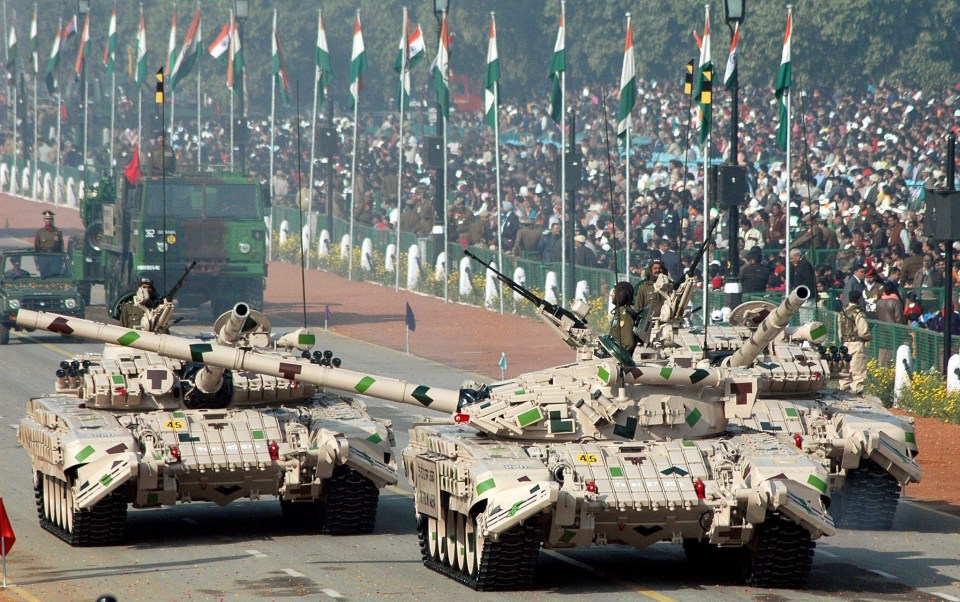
x=110 y=50
x=415 y=47
x=222 y=42
x=12 y=48
x=784 y=75
x=491 y=96
x=323 y=61
x=276 y=58
x=358 y=64
x=70 y=29
x=141 y=75
x=628 y=85
x=235 y=63
x=557 y=66
x=703 y=92
x=401 y=67
x=84 y=43
x=441 y=72
x=34 y=42
x=189 y=52
x=730 y=75
x=51 y=75
x=172 y=46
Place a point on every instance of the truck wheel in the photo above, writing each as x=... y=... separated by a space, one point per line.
x=4 y=334
x=83 y=288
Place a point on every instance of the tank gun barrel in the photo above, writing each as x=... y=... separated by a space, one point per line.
x=771 y=327
x=232 y=358
x=210 y=378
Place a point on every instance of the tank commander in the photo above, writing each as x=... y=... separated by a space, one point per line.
x=648 y=294
x=144 y=299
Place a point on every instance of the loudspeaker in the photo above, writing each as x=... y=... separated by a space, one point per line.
x=241 y=133
x=574 y=164
x=729 y=185
x=434 y=152
x=327 y=140
x=942 y=218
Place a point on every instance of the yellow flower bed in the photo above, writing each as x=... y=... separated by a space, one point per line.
x=925 y=395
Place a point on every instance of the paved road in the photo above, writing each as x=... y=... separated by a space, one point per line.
x=245 y=551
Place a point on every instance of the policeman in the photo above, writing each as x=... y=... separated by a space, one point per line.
x=144 y=299
x=49 y=237
x=855 y=333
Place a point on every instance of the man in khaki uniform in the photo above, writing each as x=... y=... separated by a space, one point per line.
x=855 y=334
x=49 y=238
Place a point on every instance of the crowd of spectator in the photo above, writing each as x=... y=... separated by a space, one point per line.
x=859 y=165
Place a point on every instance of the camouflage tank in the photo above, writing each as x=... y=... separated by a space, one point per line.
x=600 y=451
x=868 y=451
x=127 y=427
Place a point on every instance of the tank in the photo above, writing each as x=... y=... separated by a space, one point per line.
x=600 y=451
x=869 y=452
x=131 y=427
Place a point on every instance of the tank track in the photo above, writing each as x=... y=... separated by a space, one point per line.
x=507 y=565
x=868 y=499
x=349 y=503
x=780 y=556
x=103 y=525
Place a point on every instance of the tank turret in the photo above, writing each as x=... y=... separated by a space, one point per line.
x=770 y=328
x=600 y=451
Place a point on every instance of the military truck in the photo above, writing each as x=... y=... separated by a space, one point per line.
x=38 y=281
x=162 y=223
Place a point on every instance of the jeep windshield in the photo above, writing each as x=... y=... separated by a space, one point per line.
x=36 y=265
x=191 y=201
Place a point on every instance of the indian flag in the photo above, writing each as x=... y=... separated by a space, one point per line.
x=628 y=85
x=557 y=66
x=784 y=75
x=730 y=75
x=441 y=72
x=358 y=64
x=222 y=42
x=491 y=96
x=172 y=47
x=51 y=75
x=189 y=52
x=704 y=87
x=12 y=48
x=276 y=59
x=401 y=67
x=141 y=51
x=235 y=63
x=34 y=45
x=415 y=47
x=84 y=43
x=323 y=60
x=110 y=50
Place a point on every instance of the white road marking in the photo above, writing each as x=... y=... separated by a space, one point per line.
x=256 y=553
x=927 y=508
x=826 y=553
x=293 y=573
x=332 y=593
x=946 y=596
x=884 y=574
x=653 y=595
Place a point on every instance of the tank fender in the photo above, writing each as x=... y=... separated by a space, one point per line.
x=506 y=508
x=327 y=451
x=887 y=452
x=800 y=504
x=103 y=476
x=369 y=463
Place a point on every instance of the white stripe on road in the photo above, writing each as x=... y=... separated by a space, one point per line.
x=586 y=567
x=293 y=573
x=332 y=593
x=883 y=574
x=256 y=553
x=946 y=596
x=927 y=508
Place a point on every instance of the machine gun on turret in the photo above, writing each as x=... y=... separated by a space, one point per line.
x=157 y=319
x=569 y=324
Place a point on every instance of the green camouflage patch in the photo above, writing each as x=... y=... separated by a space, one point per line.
x=698 y=375
x=817 y=482
x=909 y=437
x=153 y=499
x=666 y=372
x=118 y=379
x=603 y=373
x=84 y=453
x=561 y=426
x=258 y=435
x=375 y=438
x=421 y=395
x=626 y=430
x=790 y=411
x=616 y=471
x=529 y=417
x=819 y=331
x=307 y=338
x=128 y=338
x=567 y=536
x=688 y=443
x=365 y=383
x=694 y=417
x=514 y=509
x=106 y=480
x=484 y=486
x=198 y=349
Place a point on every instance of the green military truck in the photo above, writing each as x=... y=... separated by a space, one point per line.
x=158 y=225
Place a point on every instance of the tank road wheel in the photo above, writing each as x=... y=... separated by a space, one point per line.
x=104 y=524
x=868 y=499
x=474 y=547
x=427 y=536
x=453 y=558
x=349 y=503
x=509 y=563
x=779 y=555
x=443 y=534
x=461 y=543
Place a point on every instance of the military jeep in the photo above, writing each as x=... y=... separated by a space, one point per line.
x=35 y=280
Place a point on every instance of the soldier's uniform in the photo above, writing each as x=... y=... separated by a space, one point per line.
x=48 y=238
x=855 y=334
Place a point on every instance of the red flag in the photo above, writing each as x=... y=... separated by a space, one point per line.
x=132 y=171
x=6 y=531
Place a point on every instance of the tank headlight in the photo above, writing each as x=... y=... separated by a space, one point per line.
x=244 y=247
x=70 y=303
x=14 y=303
x=161 y=246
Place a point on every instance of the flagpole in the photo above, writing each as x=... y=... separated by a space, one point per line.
x=353 y=170
x=313 y=144
x=56 y=179
x=273 y=107
x=445 y=76
x=12 y=76
x=563 y=165
x=789 y=104
x=36 y=120
x=400 y=100
x=496 y=154
x=231 y=130
x=199 y=137
x=230 y=82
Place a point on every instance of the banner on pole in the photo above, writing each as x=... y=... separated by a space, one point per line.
x=7 y=538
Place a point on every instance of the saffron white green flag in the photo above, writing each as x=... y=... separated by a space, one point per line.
x=491 y=96
x=703 y=91
x=141 y=51
x=276 y=59
x=84 y=44
x=557 y=66
x=189 y=52
x=12 y=48
x=415 y=47
x=358 y=64
x=51 y=75
x=235 y=62
x=401 y=65
x=441 y=72
x=784 y=75
x=172 y=47
x=34 y=45
x=628 y=86
x=730 y=75
x=221 y=43
x=323 y=61
x=110 y=50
